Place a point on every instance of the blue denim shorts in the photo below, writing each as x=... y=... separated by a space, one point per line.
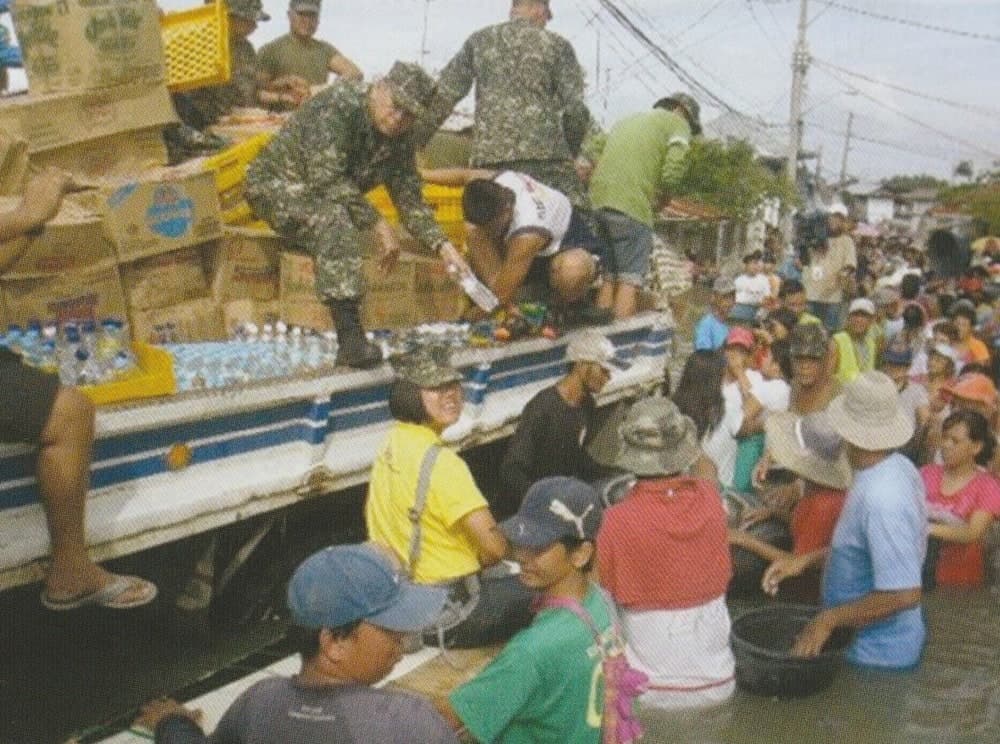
x=629 y=245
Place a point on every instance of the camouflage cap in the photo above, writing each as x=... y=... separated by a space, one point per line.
x=412 y=88
x=305 y=6
x=809 y=340
x=252 y=10
x=426 y=367
x=690 y=106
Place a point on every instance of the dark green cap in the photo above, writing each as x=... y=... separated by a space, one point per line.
x=252 y=10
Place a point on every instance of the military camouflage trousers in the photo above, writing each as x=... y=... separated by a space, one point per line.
x=325 y=231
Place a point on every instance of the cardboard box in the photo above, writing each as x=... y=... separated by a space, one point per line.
x=307 y=314
x=82 y=44
x=247 y=265
x=162 y=210
x=71 y=240
x=167 y=279
x=92 y=294
x=196 y=320
x=117 y=155
x=13 y=165
x=61 y=119
x=237 y=312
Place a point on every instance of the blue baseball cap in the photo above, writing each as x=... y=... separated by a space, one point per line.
x=347 y=583
x=552 y=509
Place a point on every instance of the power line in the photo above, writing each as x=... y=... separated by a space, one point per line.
x=913 y=120
x=683 y=75
x=972 y=108
x=771 y=44
x=910 y=22
x=880 y=142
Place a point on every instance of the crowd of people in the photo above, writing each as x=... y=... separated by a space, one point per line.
x=849 y=397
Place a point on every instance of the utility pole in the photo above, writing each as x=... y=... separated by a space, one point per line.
x=847 y=149
x=800 y=63
x=423 y=38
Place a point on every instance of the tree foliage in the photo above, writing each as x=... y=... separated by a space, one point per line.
x=980 y=200
x=730 y=178
x=903 y=184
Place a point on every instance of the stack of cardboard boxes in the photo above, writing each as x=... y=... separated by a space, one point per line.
x=146 y=240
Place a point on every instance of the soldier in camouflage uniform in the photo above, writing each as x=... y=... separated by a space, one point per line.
x=203 y=107
x=530 y=114
x=309 y=185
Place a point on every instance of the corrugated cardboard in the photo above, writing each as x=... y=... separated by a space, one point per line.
x=167 y=279
x=162 y=210
x=60 y=119
x=85 y=294
x=71 y=240
x=196 y=320
x=81 y=44
x=116 y=155
x=237 y=312
x=416 y=291
x=307 y=314
x=13 y=164
x=247 y=265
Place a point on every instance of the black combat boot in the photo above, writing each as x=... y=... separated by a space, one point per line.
x=353 y=349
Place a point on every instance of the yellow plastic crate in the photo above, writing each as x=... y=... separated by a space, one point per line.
x=446 y=201
x=230 y=168
x=153 y=377
x=196 y=46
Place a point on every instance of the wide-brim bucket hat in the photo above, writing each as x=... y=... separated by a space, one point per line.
x=804 y=445
x=867 y=414
x=654 y=439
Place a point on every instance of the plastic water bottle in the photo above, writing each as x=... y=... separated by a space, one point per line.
x=67 y=354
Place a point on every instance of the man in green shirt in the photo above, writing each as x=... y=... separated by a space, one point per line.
x=298 y=53
x=643 y=159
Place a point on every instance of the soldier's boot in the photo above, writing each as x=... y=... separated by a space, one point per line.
x=353 y=349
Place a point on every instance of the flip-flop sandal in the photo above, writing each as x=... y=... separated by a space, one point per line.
x=108 y=596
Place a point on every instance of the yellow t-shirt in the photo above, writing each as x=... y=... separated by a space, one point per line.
x=446 y=550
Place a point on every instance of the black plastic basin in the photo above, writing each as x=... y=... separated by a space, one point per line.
x=762 y=640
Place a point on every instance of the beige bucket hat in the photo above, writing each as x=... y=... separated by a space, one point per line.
x=809 y=447
x=867 y=414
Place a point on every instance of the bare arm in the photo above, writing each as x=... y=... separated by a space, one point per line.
x=871 y=608
x=765 y=550
x=345 y=68
x=454 y=176
x=521 y=251
x=789 y=566
x=969 y=532
x=489 y=541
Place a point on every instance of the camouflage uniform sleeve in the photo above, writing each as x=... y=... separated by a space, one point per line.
x=453 y=85
x=404 y=187
x=326 y=135
x=569 y=91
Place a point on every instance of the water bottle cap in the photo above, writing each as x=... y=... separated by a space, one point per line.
x=82 y=354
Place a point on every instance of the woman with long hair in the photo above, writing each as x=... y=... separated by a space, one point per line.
x=699 y=397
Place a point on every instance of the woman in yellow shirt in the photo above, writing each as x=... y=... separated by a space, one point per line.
x=451 y=536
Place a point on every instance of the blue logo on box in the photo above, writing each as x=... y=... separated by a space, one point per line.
x=171 y=212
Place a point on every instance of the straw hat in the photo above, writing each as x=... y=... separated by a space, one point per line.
x=867 y=414
x=654 y=439
x=809 y=447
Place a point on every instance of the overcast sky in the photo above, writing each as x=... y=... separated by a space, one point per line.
x=740 y=50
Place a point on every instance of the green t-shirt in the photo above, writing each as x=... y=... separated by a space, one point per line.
x=642 y=159
x=289 y=55
x=545 y=687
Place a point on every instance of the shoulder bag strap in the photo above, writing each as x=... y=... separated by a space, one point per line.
x=420 y=503
x=565 y=603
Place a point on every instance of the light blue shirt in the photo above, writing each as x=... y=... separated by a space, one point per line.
x=710 y=333
x=879 y=544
